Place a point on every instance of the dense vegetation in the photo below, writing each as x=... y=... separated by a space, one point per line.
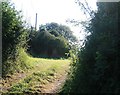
x=59 y=30
x=52 y=41
x=45 y=44
x=97 y=68
x=94 y=68
x=13 y=38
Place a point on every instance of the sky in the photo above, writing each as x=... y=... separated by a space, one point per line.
x=53 y=11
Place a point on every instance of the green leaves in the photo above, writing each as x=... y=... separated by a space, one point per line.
x=47 y=45
x=59 y=30
x=99 y=69
x=13 y=36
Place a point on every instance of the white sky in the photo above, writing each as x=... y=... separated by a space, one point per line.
x=52 y=11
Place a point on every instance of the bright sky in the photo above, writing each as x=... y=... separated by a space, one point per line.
x=53 y=11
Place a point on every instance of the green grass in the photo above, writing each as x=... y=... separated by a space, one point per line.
x=30 y=61
x=40 y=72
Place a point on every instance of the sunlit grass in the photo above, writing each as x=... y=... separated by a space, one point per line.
x=31 y=61
x=40 y=72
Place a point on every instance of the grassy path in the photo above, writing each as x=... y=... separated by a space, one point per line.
x=46 y=76
x=56 y=85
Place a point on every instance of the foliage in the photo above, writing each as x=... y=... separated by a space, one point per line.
x=52 y=40
x=59 y=30
x=13 y=36
x=97 y=70
x=47 y=45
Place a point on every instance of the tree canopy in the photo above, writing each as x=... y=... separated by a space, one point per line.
x=52 y=40
x=61 y=30
x=47 y=45
x=98 y=65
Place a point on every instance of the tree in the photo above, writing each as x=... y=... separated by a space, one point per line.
x=60 y=30
x=47 y=45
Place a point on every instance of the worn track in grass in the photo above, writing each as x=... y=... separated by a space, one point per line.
x=55 y=69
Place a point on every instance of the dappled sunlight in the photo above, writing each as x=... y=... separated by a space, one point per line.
x=60 y=46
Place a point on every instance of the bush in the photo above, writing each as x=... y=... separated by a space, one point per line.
x=98 y=68
x=13 y=36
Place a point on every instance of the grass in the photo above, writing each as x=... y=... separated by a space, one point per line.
x=30 y=61
x=40 y=72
